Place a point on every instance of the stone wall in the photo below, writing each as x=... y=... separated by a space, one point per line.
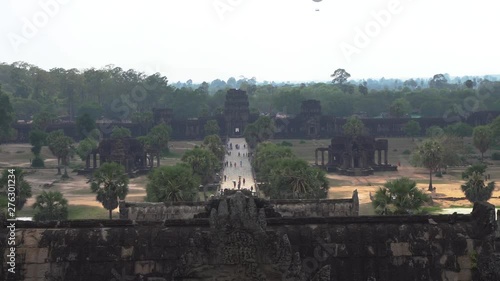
x=285 y=208
x=160 y=211
x=318 y=208
x=238 y=242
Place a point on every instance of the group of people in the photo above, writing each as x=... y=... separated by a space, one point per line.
x=241 y=181
x=231 y=164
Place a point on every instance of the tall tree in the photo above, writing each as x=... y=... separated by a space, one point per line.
x=84 y=125
x=399 y=108
x=469 y=84
x=62 y=147
x=412 y=129
x=211 y=127
x=340 y=76
x=353 y=127
x=259 y=131
x=172 y=184
x=50 y=206
x=399 y=197
x=6 y=115
x=482 y=137
x=203 y=163
x=438 y=81
x=157 y=140
x=110 y=182
x=37 y=140
x=85 y=147
x=120 y=132
x=430 y=155
x=43 y=120
x=214 y=144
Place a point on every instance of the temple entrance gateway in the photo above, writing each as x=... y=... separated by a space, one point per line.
x=355 y=156
x=236 y=112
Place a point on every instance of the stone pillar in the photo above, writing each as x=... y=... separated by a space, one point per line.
x=379 y=159
x=316 y=157
x=322 y=158
x=385 y=157
x=94 y=158
x=87 y=162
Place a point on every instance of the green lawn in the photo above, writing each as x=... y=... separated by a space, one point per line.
x=76 y=212
x=80 y=212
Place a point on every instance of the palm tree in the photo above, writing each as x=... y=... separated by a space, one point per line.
x=110 y=182
x=294 y=178
x=51 y=206
x=482 y=138
x=399 y=196
x=203 y=163
x=476 y=190
x=172 y=184
x=23 y=190
x=430 y=155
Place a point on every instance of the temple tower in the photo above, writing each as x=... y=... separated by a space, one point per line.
x=236 y=112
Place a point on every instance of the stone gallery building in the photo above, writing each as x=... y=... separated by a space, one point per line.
x=309 y=123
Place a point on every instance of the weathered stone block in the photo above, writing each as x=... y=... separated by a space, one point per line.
x=437 y=247
x=420 y=248
x=380 y=233
x=30 y=238
x=165 y=237
x=127 y=252
x=382 y=249
x=36 y=270
x=465 y=262
x=400 y=249
x=464 y=275
x=130 y=236
x=36 y=255
x=338 y=234
x=144 y=267
x=105 y=253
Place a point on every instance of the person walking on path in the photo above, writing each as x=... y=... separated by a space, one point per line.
x=241 y=163
x=243 y=181
x=225 y=177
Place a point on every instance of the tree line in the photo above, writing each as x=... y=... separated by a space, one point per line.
x=115 y=93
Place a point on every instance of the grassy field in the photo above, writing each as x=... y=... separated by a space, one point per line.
x=76 y=212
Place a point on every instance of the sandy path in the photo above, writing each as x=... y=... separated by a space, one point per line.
x=242 y=168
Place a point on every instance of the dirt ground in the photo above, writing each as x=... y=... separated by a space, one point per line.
x=77 y=189
x=447 y=186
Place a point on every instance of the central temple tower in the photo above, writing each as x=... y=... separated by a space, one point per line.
x=236 y=112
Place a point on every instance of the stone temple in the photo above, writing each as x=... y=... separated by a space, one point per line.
x=358 y=156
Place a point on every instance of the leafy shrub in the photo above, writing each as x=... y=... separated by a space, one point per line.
x=37 y=163
x=286 y=143
x=406 y=152
x=495 y=156
x=302 y=142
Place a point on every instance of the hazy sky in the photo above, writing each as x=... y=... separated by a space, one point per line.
x=274 y=40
